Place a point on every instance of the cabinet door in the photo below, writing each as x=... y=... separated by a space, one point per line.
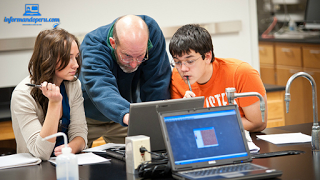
x=296 y=113
x=276 y=109
x=311 y=57
x=267 y=73
x=266 y=53
x=6 y=131
x=288 y=55
x=267 y=70
x=308 y=100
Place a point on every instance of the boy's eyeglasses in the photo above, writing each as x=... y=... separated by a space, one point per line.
x=187 y=63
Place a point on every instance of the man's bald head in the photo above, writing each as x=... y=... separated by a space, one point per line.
x=130 y=29
x=130 y=42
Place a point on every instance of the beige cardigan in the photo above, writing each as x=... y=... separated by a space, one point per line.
x=27 y=119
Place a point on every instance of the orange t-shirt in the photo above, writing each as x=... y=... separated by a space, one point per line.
x=227 y=72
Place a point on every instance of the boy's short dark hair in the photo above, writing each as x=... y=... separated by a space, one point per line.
x=191 y=37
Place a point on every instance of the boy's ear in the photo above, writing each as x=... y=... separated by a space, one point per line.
x=208 y=56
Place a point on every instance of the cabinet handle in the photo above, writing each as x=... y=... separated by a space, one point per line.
x=293 y=71
x=314 y=51
x=262 y=50
x=309 y=72
x=285 y=50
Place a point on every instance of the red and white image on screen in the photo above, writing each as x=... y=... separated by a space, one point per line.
x=205 y=137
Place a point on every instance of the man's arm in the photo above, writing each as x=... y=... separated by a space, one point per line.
x=98 y=80
x=126 y=119
x=156 y=71
x=252 y=120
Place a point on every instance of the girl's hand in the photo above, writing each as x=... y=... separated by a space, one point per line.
x=58 y=150
x=51 y=91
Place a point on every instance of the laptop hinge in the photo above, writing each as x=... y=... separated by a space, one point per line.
x=241 y=161
x=184 y=168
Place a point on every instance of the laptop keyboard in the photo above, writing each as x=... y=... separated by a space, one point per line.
x=224 y=169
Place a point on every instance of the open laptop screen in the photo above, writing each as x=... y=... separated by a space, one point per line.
x=206 y=136
x=144 y=119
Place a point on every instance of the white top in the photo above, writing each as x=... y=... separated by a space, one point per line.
x=27 y=119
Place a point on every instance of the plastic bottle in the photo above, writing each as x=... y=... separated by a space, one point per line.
x=292 y=25
x=66 y=163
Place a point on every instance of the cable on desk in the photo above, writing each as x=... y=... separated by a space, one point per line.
x=155 y=169
x=160 y=156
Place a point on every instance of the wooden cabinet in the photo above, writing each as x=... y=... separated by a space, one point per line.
x=311 y=57
x=307 y=91
x=290 y=58
x=266 y=53
x=98 y=142
x=288 y=62
x=267 y=69
x=6 y=130
x=288 y=55
x=7 y=139
x=267 y=73
x=296 y=113
x=275 y=101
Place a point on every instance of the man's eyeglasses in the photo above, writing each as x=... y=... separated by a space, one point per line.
x=128 y=58
x=187 y=63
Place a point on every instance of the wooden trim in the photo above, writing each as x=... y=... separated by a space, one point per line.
x=6 y=131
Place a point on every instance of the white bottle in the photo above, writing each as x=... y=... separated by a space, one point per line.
x=66 y=163
x=292 y=25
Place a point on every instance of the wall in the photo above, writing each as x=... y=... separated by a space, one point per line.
x=82 y=16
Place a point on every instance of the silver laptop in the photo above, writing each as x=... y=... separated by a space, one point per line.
x=144 y=119
x=209 y=143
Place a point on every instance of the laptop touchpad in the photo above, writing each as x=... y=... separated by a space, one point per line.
x=233 y=174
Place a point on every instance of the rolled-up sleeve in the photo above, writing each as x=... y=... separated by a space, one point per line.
x=26 y=121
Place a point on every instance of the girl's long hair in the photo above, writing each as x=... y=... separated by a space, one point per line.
x=51 y=47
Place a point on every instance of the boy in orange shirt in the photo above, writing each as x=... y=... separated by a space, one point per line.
x=192 y=51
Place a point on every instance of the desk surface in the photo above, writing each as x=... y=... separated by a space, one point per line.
x=306 y=40
x=273 y=88
x=294 y=167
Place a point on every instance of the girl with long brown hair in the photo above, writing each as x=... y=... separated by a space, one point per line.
x=57 y=105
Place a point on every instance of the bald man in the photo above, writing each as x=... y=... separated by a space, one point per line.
x=123 y=62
